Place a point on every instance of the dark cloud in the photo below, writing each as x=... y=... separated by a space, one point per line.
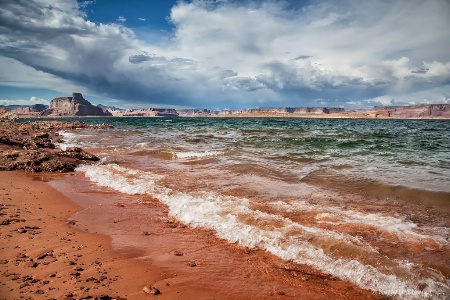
x=139 y=58
x=228 y=73
x=420 y=71
x=302 y=57
x=61 y=43
x=235 y=52
x=245 y=84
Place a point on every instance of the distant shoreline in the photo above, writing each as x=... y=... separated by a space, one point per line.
x=77 y=106
x=253 y=115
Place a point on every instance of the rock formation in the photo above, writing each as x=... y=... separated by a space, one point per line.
x=259 y=111
x=194 y=112
x=149 y=112
x=73 y=106
x=25 y=109
x=31 y=109
x=414 y=111
x=31 y=146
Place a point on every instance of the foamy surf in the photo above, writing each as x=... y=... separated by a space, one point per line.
x=233 y=219
x=71 y=139
x=402 y=229
x=196 y=154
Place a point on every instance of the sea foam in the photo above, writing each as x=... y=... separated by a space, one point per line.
x=233 y=219
x=404 y=230
x=69 y=140
x=197 y=154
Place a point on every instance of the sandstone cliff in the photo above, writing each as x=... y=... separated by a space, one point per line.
x=257 y=111
x=73 y=106
x=150 y=112
x=37 y=108
x=414 y=111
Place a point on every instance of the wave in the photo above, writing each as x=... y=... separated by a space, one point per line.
x=197 y=154
x=233 y=219
x=404 y=230
x=71 y=139
x=175 y=154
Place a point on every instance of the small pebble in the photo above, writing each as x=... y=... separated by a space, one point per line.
x=148 y=289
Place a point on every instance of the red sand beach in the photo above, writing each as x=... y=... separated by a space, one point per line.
x=44 y=257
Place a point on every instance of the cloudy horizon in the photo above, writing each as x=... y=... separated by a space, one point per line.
x=225 y=53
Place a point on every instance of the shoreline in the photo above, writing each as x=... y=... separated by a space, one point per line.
x=249 y=115
x=59 y=109
x=183 y=263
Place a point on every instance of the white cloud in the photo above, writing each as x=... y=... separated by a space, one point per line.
x=37 y=100
x=346 y=47
x=229 y=54
x=31 y=101
x=142 y=19
x=121 y=19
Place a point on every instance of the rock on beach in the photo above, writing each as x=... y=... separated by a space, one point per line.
x=31 y=146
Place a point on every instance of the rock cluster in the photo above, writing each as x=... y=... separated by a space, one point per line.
x=2 y=112
x=31 y=146
x=73 y=106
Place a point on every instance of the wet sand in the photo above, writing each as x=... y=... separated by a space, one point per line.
x=91 y=242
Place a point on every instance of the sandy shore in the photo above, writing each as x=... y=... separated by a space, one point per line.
x=43 y=257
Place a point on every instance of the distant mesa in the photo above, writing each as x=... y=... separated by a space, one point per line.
x=78 y=106
x=148 y=112
x=414 y=111
x=74 y=106
x=277 y=111
x=169 y=112
x=36 y=108
x=24 y=109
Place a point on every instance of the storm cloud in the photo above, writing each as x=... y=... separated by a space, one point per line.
x=241 y=54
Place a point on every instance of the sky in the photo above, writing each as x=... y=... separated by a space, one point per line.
x=220 y=54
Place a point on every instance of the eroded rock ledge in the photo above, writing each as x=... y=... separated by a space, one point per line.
x=31 y=146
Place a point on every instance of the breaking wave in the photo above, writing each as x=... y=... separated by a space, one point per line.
x=233 y=219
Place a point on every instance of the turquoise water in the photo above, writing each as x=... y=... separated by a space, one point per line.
x=410 y=153
x=364 y=200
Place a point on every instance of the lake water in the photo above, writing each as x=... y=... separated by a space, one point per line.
x=364 y=200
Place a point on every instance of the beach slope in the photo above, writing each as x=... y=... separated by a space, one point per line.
x=43 y=257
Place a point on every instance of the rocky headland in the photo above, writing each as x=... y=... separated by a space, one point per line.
x=31 y=146
x=73 y=106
